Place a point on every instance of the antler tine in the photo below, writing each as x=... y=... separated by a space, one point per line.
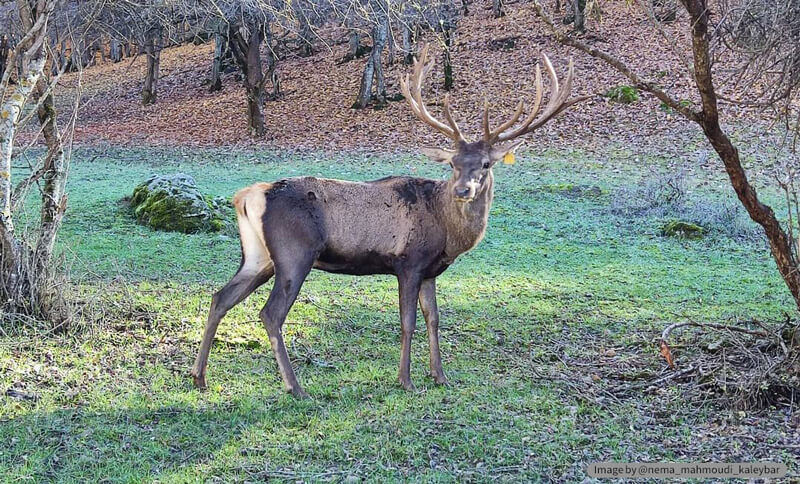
x=487 y=133
x=562 y=104
x=411 y=88
x=558 y=101
x=491 y=136
x=449 y=117
x=497 y=135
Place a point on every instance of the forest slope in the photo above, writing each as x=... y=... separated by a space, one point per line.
x=493 y=58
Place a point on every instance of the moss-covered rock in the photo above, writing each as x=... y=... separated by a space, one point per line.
x=679 y=228
x=174 y=203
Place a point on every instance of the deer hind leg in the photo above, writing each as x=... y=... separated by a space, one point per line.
x=234 y=292
x=427 y=302
x=256 y=269
x=288 y=280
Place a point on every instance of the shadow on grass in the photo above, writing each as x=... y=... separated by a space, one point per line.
x=125 y=444
x=356 y=430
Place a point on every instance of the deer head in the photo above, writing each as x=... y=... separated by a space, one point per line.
x=472 y=161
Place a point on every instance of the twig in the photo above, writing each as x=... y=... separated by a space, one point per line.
x=671 y=376
x=670 y=328
x=650 y=86
x=664 y=346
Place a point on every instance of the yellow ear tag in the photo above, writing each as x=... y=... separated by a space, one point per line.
x=508 y=158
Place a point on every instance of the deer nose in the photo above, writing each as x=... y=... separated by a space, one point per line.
x=462 y=192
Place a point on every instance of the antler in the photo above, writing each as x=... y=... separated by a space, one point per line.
x=558 y=103
x=411 y=87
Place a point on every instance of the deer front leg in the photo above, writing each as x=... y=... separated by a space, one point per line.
x=409 y=291
x=427 y=302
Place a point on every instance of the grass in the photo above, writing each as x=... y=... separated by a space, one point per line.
x=559 y=280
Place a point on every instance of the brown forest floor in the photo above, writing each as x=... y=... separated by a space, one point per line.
x=315 y=112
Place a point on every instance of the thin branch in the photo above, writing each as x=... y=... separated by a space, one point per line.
x=644 y=84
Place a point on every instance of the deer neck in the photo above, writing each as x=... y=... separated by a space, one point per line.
x=466 y=222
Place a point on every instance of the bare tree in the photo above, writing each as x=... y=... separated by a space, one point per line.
x=497 y=8
x=153 y=45
x=150 y=25
x=26 y=259
x=373 y=70
x=221 y=52
x=708 y=118
x=249 y=25
x=409 y=24
x=301 y=12
x=447 y=25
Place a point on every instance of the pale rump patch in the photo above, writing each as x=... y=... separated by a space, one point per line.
x=250 y=204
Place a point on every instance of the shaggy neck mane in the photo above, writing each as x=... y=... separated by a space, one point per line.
x=465 y=222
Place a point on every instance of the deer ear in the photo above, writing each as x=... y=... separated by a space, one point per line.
x=496 y=153
x=437 y=154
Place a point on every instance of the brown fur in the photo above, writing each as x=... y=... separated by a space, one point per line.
x=413 y=228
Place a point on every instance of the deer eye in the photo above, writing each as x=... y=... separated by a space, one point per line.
x=486 y=165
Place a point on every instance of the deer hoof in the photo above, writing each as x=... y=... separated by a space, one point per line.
x=408 y=386
x=298 y=393
x=441 y=380
x=199 y=381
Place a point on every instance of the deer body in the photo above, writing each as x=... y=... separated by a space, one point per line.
x=409 y=227
x=381 y=227
x=413 y=228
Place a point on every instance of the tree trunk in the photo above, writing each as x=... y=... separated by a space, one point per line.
x=392 y=45
x=579 y=12
x=152 y=49
x=448 y=64
x=115 y=51
x=373 y=70
x=365 y=91
x=220 y=46
x=353 y=43
x=255 y=113
x=497 y=8
x=408 y=43
x=304 y=29
x=54 y=205
x=14 y=285
x=381 y=34
x=3 y=53
x=272 y=67
x=25 y=266
x=247 y=53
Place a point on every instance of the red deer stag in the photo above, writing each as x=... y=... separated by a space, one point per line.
x=413 y=228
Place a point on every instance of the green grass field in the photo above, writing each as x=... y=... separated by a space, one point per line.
x=563 y=292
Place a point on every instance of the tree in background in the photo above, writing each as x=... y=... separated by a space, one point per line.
x=26 y=257
x=497 y=9
x=437 y=17
x=150 y=25
x=373 y=69
x=222 y=55
x=576 y=15
x=153 y=44
x=248 y=26
x=759 y=44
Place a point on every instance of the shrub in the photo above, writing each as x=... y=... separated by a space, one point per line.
x=623 y=94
